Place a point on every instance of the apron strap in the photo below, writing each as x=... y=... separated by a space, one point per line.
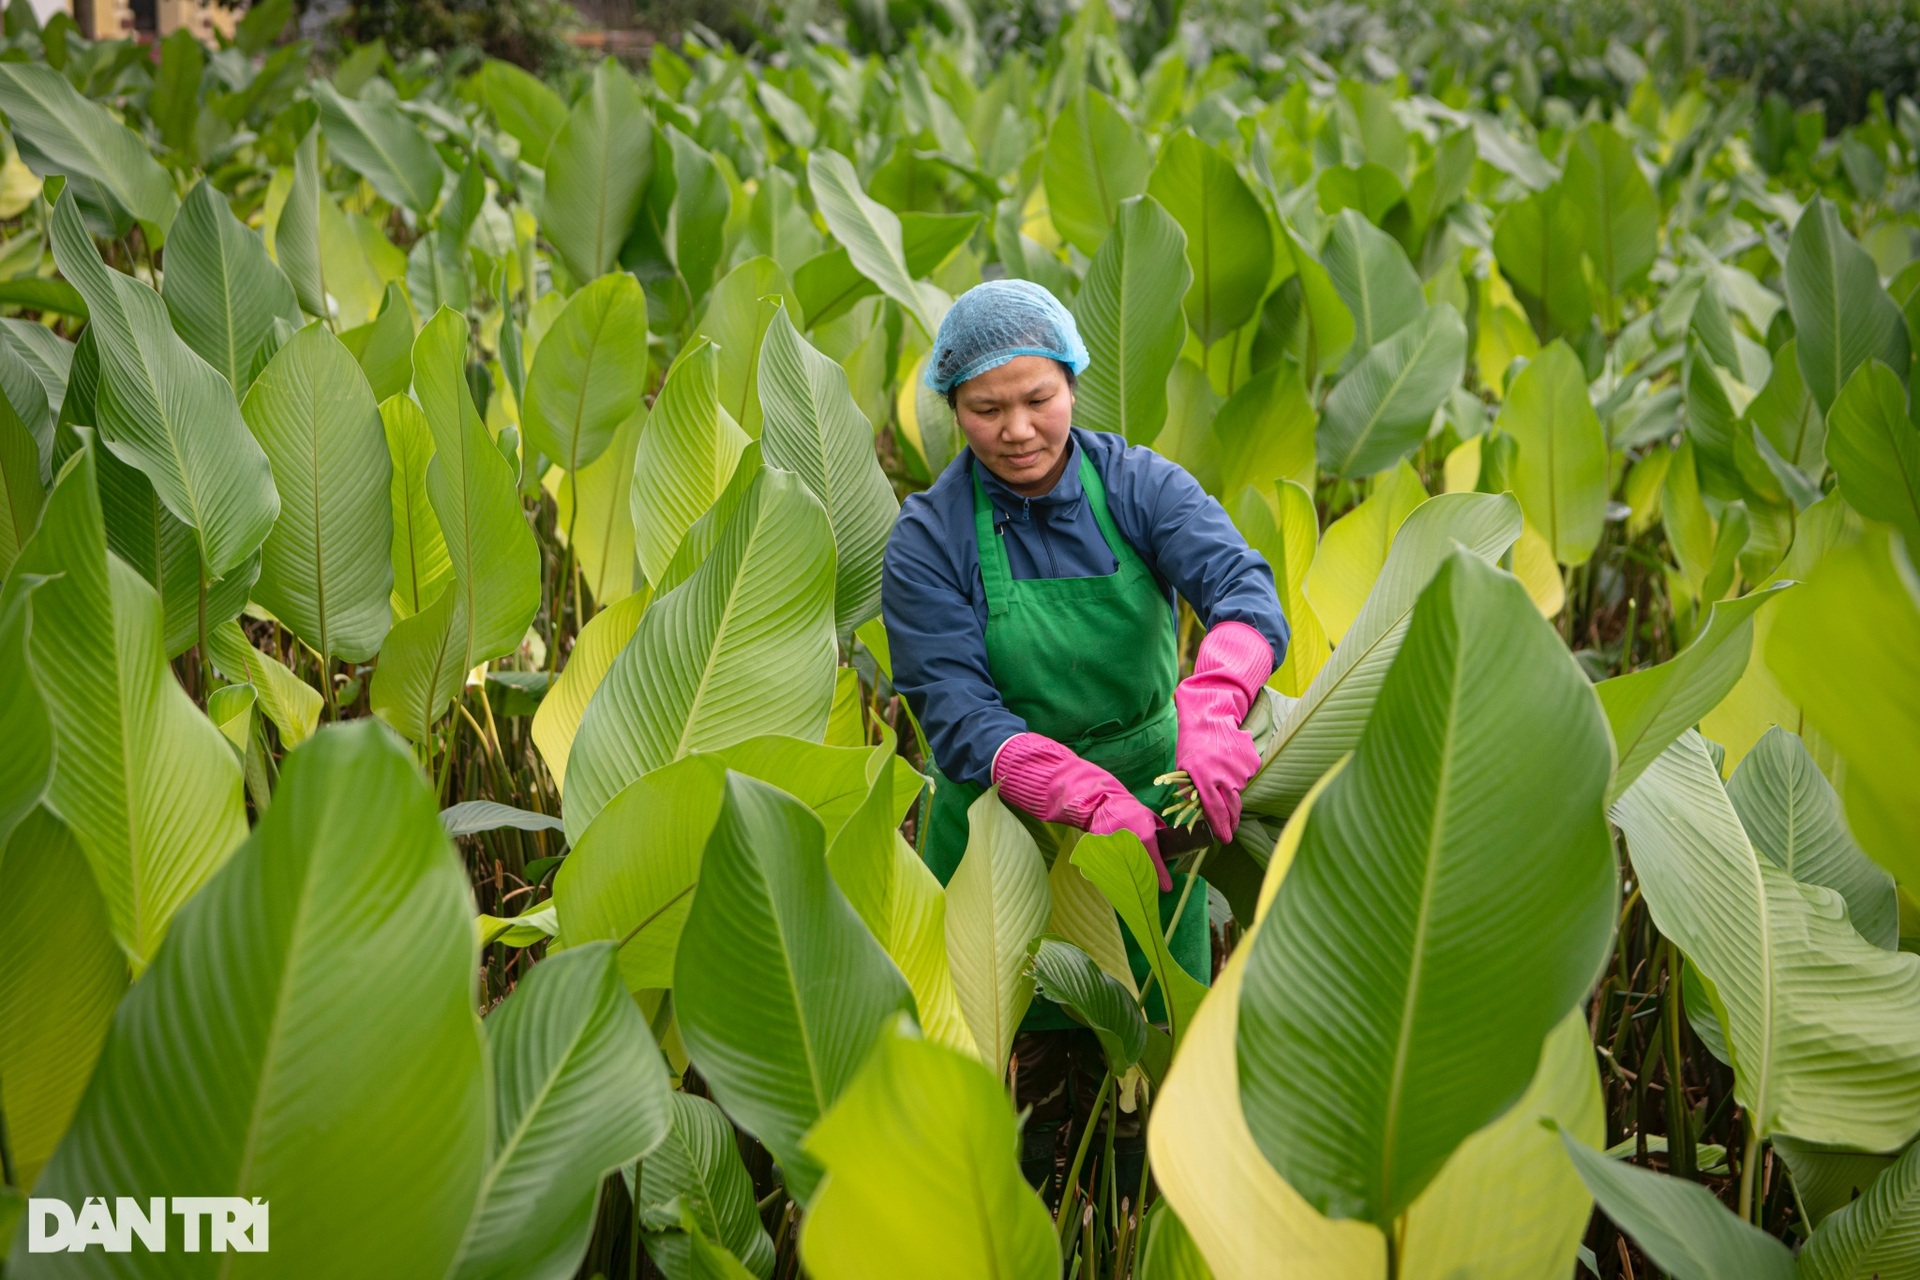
x=1124 y=556
x=996 y=574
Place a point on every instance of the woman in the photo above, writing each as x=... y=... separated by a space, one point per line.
x=1029 y=604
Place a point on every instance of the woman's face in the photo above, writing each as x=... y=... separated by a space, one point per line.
x=1015 y=418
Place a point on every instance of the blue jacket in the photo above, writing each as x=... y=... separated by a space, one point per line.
x=936 y=607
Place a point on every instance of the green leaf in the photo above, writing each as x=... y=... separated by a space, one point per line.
x=339 y=1070
x=997 y=903
x=148 y=785
x=175 y=102
x=59 y=982
x=382 y=146
x=1262 y=435
x=419 y=550
x=1167 y=1252
x=384 y=345
x=1775 y=951
x=869 y=231
x=296 y=236
x=1650 y=708
x=1680 y=1225
x=27 y=765
x=1129 y=314
x=1069 y=977
x=21 y=493
x=1229 y=244
x=56 y=296
x=163 y=409
x=1621 y=225
x=596 y=514
x=1841 y=316
x=923 y=1178
x=1792 y=815
x=1381 y=408
x=1876 y=1236
x=1560 y=474
x=738 y=312
x=589 y=372
x=1825 y=1179
x=578 y=1090
x=496 y=563
x=1537 y=242
x=422 y=665
x=221 y=288
x=597 y=168
x=1459 y=864
x=1842 y=649
x=1371 y=272
x=325 y=570
x=780 y=990
x=684 y=460
x=744 y=647
x=1094 y=161
x=594 y=648
x=1328 y=720
x=813 y=428
x=284 y=698
x=470 y=817
x=699 y=1164
x=68 y=134
x=1875 y=449
x=523 y=107
x=1119 y=867
x=701 y=202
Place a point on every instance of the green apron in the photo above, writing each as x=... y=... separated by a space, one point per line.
x=1091 y=663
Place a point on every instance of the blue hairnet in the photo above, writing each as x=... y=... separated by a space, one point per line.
x=992 y=323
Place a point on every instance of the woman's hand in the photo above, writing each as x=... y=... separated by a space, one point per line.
x=1055 y=785
x=1233 y=663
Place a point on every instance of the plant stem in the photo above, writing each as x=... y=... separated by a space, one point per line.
x=1071 y=1193
x=1679 y=1140
x=1749 y=1164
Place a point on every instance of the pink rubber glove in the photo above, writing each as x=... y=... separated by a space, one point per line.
x=1233 y=662
x=1055 y=785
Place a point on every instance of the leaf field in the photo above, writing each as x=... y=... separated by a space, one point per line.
x=454 y=788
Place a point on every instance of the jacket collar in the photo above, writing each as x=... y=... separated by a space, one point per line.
x=1008 y=505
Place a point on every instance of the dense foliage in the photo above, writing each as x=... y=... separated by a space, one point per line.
x=454 y=789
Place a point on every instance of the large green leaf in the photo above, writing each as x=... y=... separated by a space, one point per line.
x=811 y=427
x=221 y=288
x=1825 y=1179
x=1129 y=315
x=1792 y=815
x=1068 y=976
x=1841 y=316
x=594 y=649
x=523 y=107
x=26 y=766
x=382 y=145
x=684 y=459
x=1261 y=436
x=1877 y=1237
x=419 y=552
x=1537 y=243
x=1118 y=866
x=1874 y=447
x=1776 y=952
x=163 y=409
x=1843 y=649
x=148 y=785
x=296 y=235
x=326 y=570
x=422 y=665
x=1648 y=709
x=1229 y=243
x=699 y=1165
x=701 y=202
x=1381 y=408
x=1622 y=218
x=337 y=1070
x=21 y=493
x=60 y=978
x=1328 y=720
x=1324 y=327
x=1374 y=279
x=589 y=372
x=923 y=1178
x=1094 y=161
x=596 y=514
x=72 y=135
x=1560 y=473
x=496 y=563
x=738 y=312
x=284 y=698
x=743 y=647
x=869 y=231
x=597 y=170
x=997 y=904
x=1452 y=897
x=780 y=990
x=384 y=345
x=578 y=1090
x=1680 y=1225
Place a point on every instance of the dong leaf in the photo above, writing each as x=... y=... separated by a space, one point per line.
x=27 y=766
x=922 y=1176
x=376 y=140
x=869 y=231
x=745 y=646
x=1128 y=311
x=738 y=312
x=684 y=459
x=699 y=1165
x=596 y=514
x=164 y=410
x=597 y=170
x=21 y=493
x=1877 y=1235
x=1068 y=976
x=780 y=990
x=422 y=665
x=997 y=903
x=1229 y=243
x=523 y=107
x=1467 y=824
x=291 y=703
x=221 y=289
x=325 y=570
x=419 y=551
x=1381 y=408
x=1119 y=867
x=1094 y=160
x=1620 y=229
x=1537 y=242
x=1560 y=473
x=1875 y=448
x=1841 y=316
x=588 y=373
x=594 y=649
x=72 y=135
x=1374 y=279
x=812 y=428
x=323 y=1089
